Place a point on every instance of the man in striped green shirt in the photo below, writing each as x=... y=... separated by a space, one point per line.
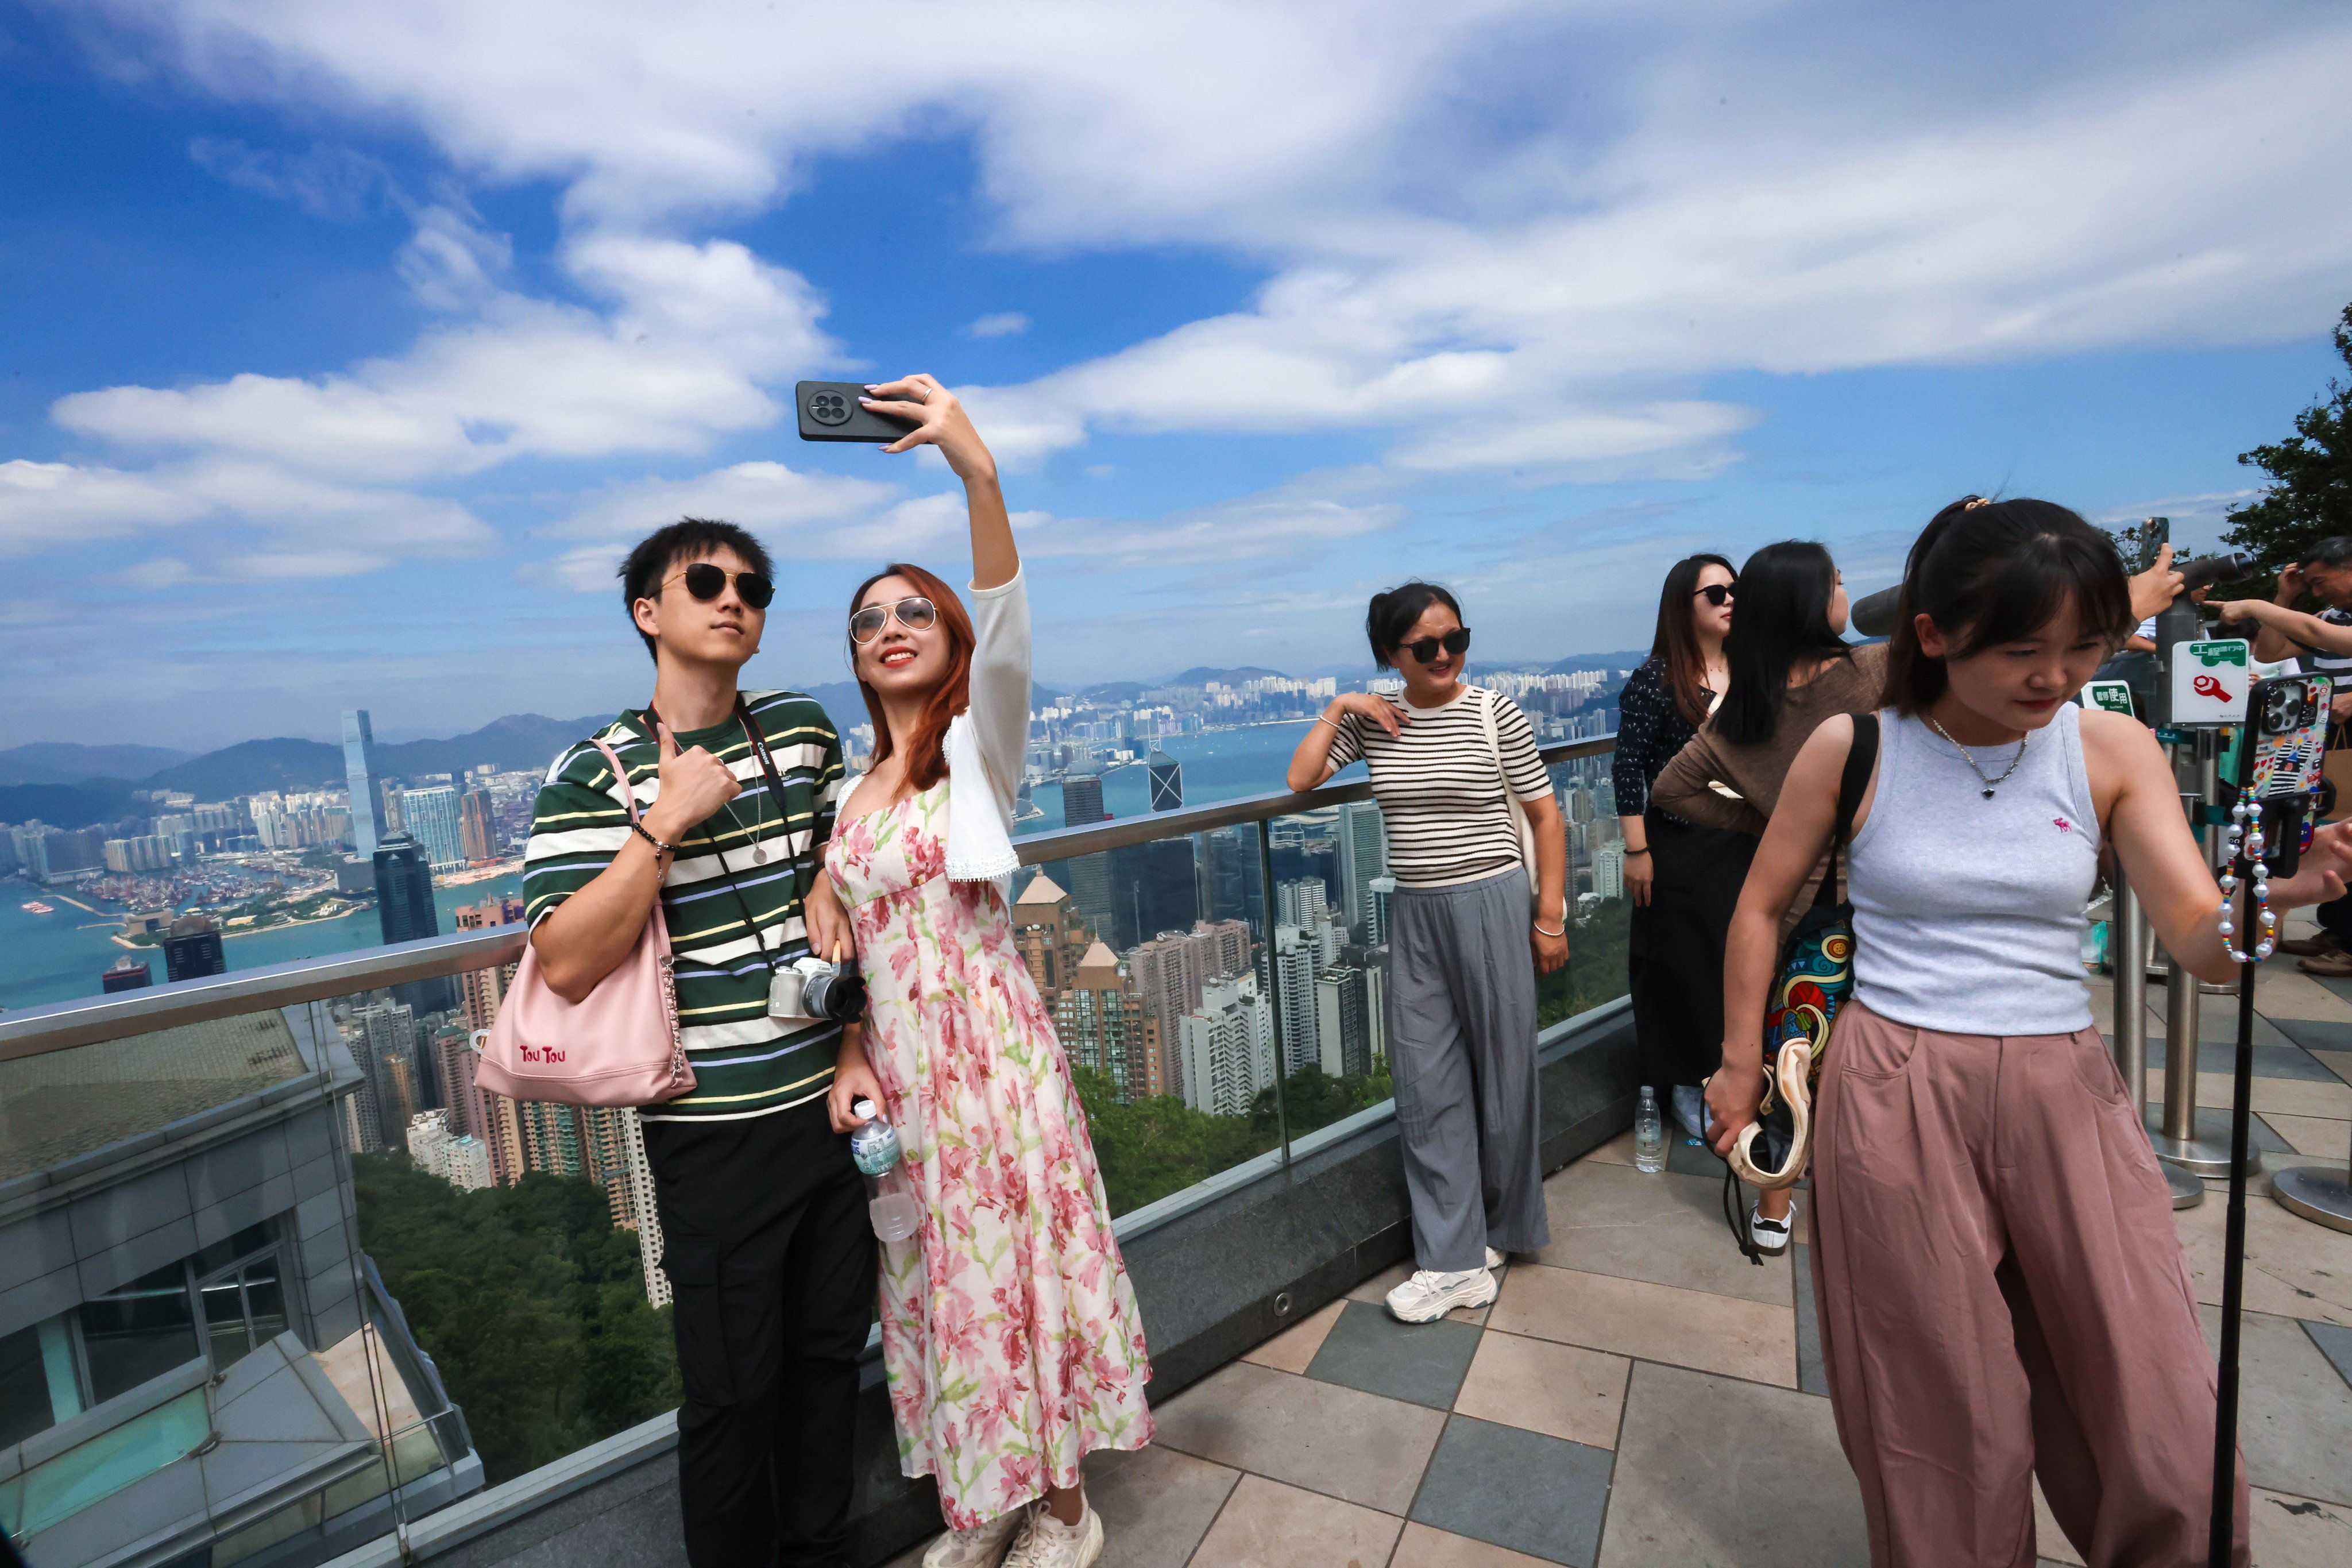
x=765 y=1237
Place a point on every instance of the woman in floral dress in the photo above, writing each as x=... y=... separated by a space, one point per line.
x=1010 y=1332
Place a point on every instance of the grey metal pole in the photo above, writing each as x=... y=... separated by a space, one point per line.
x=2127 y=952
x=2197 y=1143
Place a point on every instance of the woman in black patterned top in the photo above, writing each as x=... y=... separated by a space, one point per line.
x=1684 y=879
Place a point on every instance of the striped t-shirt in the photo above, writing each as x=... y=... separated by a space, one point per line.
x=746 y=1063
x=1440 y=797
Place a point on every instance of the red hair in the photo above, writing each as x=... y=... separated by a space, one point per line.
x=927 y=760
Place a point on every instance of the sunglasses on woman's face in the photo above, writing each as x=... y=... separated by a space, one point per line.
x=707 y=582
x=1715 y=593
x=1455 y=642
x=916 y=615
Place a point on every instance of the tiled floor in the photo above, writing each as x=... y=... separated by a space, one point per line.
x=1642 y=1396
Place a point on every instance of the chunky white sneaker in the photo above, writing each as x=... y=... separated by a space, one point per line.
x=1690 y=1110
x=1771 y=1235
x=1047 y=1542
x=1429 y=1295
x=980 y=1548
x=1494 y=1258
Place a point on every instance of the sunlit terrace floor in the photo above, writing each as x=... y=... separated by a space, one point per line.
x=1642 y=1396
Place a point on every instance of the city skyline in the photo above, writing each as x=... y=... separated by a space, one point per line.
x=365 y=371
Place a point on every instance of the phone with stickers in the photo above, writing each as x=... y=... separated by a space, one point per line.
x=2283 y=745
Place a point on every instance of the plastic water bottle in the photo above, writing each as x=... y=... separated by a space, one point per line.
x=1649 y=1133
x=874 y=1145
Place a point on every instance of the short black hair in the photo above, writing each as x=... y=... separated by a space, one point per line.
x=1392 y=614
x=2333 y=551
x=690 y=539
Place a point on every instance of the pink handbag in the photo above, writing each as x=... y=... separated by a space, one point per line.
x=617 y=1046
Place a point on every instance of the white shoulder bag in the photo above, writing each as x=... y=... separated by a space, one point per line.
x=1519 y=823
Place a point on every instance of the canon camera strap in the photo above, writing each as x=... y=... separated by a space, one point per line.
x=759 y=739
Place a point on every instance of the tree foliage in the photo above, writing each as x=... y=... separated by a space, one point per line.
x=531 y=1302
x=2309 y=496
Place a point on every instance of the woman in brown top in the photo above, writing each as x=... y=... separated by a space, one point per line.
x=1791 y=667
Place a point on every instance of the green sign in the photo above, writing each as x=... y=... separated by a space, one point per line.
x=2115 y=695
x=2213 y=654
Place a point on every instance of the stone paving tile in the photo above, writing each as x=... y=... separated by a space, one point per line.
x=2334 y=1343
x=1338 y=1441
x=2294 y=1097
x=2286 y=993
x=1292 y=1348
x=2318 y=1034
x=1422 y=1364
x=2313 y=1134
x=1655 y=1322
x=2294 y=1414
x=1517 y=1489
x=2221 y=1056
x=2298 y=1533
x=1268 y=1525
x=1812 y=1373
x=2294 y=1268
x=1156 y=1504
x=1665 y=1228
x=2337 y=1062
x=1563 y=1391
x=1688 y=1492
x=1376 y=1289
x=1421 y=1547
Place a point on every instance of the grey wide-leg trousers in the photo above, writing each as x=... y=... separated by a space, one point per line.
x=1462 y=1046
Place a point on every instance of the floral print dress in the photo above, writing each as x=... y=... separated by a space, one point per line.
x=1010 y=1332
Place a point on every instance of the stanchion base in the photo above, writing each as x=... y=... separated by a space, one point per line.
x=2208 y=1153
x=2188 y=1191
x=2320 y=1193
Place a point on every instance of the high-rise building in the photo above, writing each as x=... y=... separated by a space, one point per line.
x=455 y=1062
x=1378 y=902
x=1051 y=939
x=477 y=826
x=192 y=949
x=1233 y=886
x=1155 y=886
x=614 y=1142
x=129 y=974
x=1088 y=876
x=550 y=1138
x=389 y=1031
x=1301 y=903
x=431 y=815
x=1227 y=1048
x=457 y=1159
x=1171 y=972
x=1343 y=1021
x=1082 y=800
x=366 y=784
x=1100 y=1019
x=1608 y=871
x=1166 y=782
x=404 y=911
x=1363 y=857
x=1297 y=959
x=480 y=991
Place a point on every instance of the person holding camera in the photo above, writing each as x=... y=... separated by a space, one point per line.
x=1447 y=761
x=1010 y=1331
x=765 y=1238
x=2002 y=1293
x=1683 y=880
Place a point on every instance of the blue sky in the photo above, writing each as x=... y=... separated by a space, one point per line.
x=347 y=347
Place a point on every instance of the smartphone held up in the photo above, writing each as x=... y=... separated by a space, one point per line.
x=830 y=411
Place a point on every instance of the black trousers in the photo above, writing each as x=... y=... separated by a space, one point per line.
x=770 y=1254
x=1674 y=949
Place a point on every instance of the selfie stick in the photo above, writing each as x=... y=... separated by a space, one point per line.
x=2233 y=1246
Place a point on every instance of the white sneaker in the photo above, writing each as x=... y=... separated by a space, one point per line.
x=1771 y=1235
x=1047 y=1542
x=1429 y=1295
x=980 y=1548
x=1690 y=1110
x=1494 y=1258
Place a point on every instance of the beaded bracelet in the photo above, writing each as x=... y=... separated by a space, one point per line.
x=659 y=848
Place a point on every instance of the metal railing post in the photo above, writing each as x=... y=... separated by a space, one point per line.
x=2197 y=1143
x=2128 y=953
x=1274 y=983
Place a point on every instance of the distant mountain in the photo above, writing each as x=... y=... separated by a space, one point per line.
x=282 y=764
x=1201 y=675
x=62 y=761
x=1114 y=691
x=71 y=804
x=518 y=743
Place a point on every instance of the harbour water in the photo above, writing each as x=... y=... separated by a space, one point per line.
x=59 y=956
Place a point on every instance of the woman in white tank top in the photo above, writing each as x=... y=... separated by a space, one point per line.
x=2002 y=1292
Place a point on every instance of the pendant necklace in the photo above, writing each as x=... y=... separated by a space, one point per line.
x=1991 y=784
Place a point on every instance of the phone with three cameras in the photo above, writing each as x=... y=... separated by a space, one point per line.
x=829 y=411
x=2280 y=757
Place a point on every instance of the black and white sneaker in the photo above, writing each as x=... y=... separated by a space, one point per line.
x=1771 y=1235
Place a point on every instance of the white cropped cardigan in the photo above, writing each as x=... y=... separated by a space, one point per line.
x=988 y=742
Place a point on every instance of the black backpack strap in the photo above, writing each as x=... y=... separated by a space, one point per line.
x=1860 y=758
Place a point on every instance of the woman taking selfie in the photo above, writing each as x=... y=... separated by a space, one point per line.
x=1683 y=880
x=1447 y=760
x=2001 y=1292
x=1010 y=1332
x=1791 y=669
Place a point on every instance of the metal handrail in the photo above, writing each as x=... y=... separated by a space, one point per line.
x=61 y=1025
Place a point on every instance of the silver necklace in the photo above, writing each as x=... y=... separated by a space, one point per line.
x=1969 y=758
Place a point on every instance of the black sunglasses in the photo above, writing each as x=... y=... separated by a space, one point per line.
x=1455 y=642
x=707 y=582
x=1716 y=593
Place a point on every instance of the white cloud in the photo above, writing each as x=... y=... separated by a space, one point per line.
x=999 y=324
